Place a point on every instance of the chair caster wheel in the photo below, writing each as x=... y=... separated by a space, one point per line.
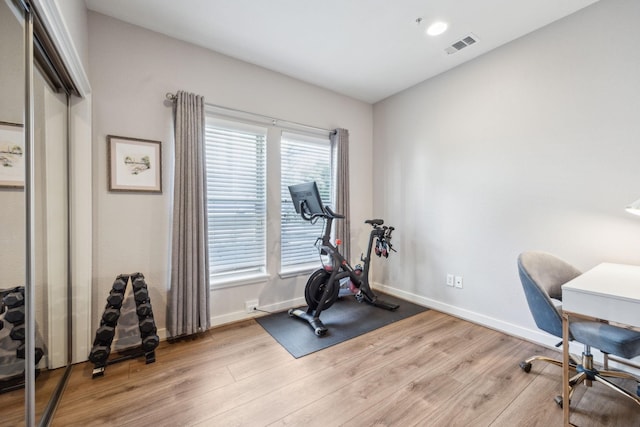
x=558 y=400
x=525 y=366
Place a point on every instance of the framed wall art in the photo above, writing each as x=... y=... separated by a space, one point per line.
x=12 y=168
x=134 y=164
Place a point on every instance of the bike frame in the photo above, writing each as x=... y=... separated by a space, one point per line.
x=340 y=268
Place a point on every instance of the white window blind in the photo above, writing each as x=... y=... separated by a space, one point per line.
x=236 y=198
x=304 y=158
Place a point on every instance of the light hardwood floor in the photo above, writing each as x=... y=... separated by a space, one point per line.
x=428 y=370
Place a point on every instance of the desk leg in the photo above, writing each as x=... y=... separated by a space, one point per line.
x=565 y=368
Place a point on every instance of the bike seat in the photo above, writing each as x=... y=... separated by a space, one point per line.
x=374 y=221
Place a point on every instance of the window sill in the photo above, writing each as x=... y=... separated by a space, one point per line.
x=233 y=282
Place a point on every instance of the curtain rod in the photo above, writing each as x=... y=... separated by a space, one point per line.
x=274 y=121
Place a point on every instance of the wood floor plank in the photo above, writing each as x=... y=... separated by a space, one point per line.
x=348 y=368
x=370 y=390
x=601 y=406
x=376 y=385
x=430 y=369
x=535 y=405
x=420 y=401
x=12 y=403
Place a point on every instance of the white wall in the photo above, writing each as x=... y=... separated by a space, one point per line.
x=534 y=145
x=131 y=71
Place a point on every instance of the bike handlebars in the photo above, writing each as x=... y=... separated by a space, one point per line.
x=332 y=214
x=326 y=213
x=381 y=232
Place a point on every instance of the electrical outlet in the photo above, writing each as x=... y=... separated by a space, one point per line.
x=251 y=305
x=449 y=279
x=458 y=282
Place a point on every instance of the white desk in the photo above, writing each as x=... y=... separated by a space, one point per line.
x=609 y=292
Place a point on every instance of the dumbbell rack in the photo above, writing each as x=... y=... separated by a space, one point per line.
x=12 y=306
x=101 y=349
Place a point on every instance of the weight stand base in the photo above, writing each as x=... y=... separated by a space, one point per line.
x=316 y=324
x=126 y=354
x=14 y=383
x=98 y=371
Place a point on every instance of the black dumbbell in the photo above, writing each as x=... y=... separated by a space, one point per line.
x=150 y=342
x=141 y=295
x=147 y=326
x=119 y=284
x=105 y=334
x=99 y=353
x=144 y=309
x=115 y=299
x=111 y=315
x=15 y=315
x=17 y=333
x=20 y=352
x=13 y=299
x=138 y=283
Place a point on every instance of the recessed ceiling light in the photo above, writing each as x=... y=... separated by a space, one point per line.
x=437 y=28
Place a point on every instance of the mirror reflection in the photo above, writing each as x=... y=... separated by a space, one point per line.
x=12 y=213
x=51 y=227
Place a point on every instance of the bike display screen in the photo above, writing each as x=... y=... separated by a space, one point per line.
x=307 y=195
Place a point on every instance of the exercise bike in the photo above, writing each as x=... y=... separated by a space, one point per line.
x=323 y=287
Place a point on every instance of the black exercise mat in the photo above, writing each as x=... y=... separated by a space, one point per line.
x=345 y=319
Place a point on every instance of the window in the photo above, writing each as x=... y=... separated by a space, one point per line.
x=236 y=199
x=303 y=158
x=237 y=185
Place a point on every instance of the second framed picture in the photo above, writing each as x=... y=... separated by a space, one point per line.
x=12 y=167
x=134 y=164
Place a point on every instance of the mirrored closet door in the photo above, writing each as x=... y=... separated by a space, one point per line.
x=34 y=244
x=12 y=209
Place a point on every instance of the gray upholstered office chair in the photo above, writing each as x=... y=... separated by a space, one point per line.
x=542 y=276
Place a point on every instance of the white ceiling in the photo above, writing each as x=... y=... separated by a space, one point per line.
x=366 y=49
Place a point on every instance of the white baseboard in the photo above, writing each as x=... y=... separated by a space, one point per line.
x=262 y=310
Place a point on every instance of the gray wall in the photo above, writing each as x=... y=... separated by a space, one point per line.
x=131 y=71
x=534 y=145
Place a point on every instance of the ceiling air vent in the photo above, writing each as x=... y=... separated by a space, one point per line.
x=461 y=44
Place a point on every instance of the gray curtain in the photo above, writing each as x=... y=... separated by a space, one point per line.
x=340 y=143
x=189 y=293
